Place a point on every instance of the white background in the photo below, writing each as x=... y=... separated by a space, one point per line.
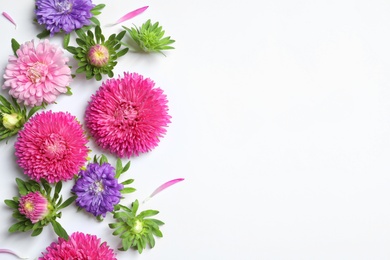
x=280 y=127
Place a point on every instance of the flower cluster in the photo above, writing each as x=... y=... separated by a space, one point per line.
x=126 y=116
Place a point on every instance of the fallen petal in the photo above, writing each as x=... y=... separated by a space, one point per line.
x=7 y=251
x=9 y=18
x=163 y=187
x=131 y=14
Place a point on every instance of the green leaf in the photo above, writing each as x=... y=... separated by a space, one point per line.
x=157 y=232
x=16 y=227
x=118 y=168
x=68 y=91
x=80 y=33
x=5 y=102
x=71 y=49
x=134 y=207
x=67 y=202
x=98 y=76
x=15 y=46
x=94 y=20
x=152 y=242
x=103 y=159
x=66 y=40
x=98 y=33
x=36 y=232
x=33 y=111
x=11 y=204
x=98 y=7
x=147 y=213
x=46 y=186
x=59 y=230
x=127 y=166
x=120 y=35
x=58 y=188
x=43 y=34
x=21 y=186
x=122 y=52
x=126 y=182
x=127 y=190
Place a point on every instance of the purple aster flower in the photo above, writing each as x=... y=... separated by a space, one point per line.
x=97 y=189
x=65 y=15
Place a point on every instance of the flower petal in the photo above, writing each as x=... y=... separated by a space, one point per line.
x=131 y=14
x=163 y=187
x=9 y=18
x=7 y=251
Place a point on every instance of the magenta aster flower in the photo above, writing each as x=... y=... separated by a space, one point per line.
x=52 y=146
x=79 y=246
x=34 y=206
x=128 y=116
x=97 y=189
x=63 y=15
x=38 y=74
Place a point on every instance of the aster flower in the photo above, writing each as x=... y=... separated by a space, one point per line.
x=51 y=146
x=136 y=231
x=34 y=206
x=79 y=246
x=36 y=75
x=127 y=116
x=64 y=15
x=149 y=37
x=97 y=187
x=37 y=206
x=96 y=55
x=13 y=116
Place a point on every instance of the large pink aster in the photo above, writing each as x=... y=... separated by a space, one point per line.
x=79 y=246
x=52 y=146
x=128 y=115
x=37 y=74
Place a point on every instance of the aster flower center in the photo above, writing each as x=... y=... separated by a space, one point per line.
x=98 y=55
x=28 y=206
x=63 y=6
x=97 y=187
x=127 y=112
x=54 y=146
x=138 y=226
x=37 y=72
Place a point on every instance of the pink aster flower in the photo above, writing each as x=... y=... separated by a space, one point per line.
x=52 y=146
x=37 y=74
x=34 y=206
x=128 y=115
x=79 y=246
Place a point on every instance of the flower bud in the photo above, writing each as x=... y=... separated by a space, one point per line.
x=98 y=55
x=34 y=206
x=12 y=121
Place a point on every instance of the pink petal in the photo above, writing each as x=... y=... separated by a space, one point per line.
x=9 y=18
x=163 y=187
x=7 y=251
x=131 y=14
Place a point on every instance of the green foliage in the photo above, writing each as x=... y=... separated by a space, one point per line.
x=136 y=231
x=87 y=40
x=150 y=37
x=55 y=204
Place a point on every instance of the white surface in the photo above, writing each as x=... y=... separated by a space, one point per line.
x=281 y=127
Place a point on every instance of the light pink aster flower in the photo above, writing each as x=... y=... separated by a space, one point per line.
x=128 y=115
x=52 y=146
x=34 y=206
x=37 y=74
x=79 y=246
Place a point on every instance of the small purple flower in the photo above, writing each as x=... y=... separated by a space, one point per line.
x=65 y=15
x=97 y=189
